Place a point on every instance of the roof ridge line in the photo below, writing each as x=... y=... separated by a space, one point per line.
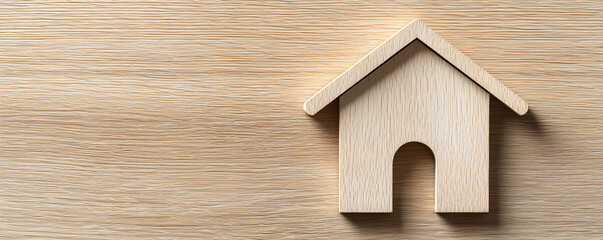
x=413 y=30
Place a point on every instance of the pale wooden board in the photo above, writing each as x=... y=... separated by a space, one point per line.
x=416 y=96
x=137 y=119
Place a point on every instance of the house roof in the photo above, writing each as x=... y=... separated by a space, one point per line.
x=412 y=31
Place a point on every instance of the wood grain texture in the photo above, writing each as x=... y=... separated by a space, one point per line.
x=181 y=119
x=416 y=96
x=415 y=30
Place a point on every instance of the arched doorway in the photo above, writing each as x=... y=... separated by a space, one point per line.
x=413 y=178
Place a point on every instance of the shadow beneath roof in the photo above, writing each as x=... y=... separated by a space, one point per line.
x=328 y=119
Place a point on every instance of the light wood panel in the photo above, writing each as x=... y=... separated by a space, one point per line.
x=182 y=119
x=416 y=96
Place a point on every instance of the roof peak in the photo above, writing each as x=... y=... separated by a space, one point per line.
x=412 y=31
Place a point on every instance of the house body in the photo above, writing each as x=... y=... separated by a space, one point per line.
x=415 y=87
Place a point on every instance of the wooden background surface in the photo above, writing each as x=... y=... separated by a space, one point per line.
x=183 y=119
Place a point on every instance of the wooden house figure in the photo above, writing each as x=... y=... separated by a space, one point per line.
x=414 y=87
